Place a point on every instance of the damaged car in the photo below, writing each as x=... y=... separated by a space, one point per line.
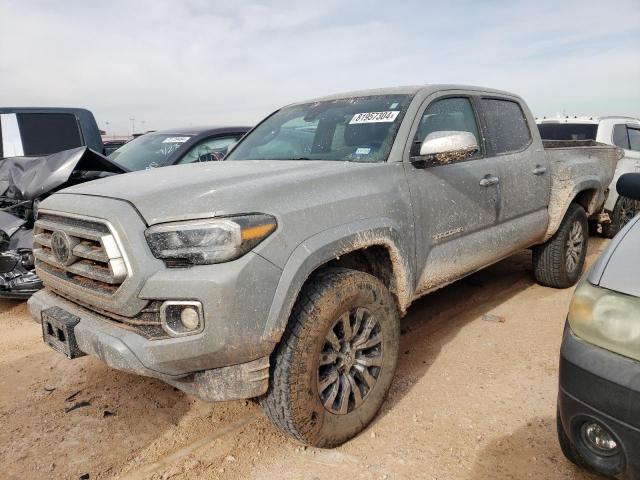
x=26 y=181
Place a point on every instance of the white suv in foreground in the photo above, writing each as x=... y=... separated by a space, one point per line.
x=623 y=132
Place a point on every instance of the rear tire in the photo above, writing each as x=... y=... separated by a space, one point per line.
x=558 y=262
x=334 y=365
x=623 y=211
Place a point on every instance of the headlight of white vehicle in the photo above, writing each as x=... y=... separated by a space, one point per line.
x=605 y=318
x=215 y=240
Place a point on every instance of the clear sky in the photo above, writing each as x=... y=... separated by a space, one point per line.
x=196 y=62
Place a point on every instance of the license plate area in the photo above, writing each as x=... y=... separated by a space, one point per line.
x=57 y=331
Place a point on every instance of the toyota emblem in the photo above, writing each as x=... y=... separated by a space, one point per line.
x=61 y=247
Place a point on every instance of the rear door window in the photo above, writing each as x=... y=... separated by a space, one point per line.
x=620 y=137
x=507 y=128
x=47 y=133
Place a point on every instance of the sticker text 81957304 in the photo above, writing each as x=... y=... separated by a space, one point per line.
x=374 y=117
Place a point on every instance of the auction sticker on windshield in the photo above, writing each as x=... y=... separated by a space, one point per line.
x=175 y=139
x=374 y=117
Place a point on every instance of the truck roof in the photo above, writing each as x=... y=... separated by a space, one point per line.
x=42 y=109
x=406 y=90
x=585 y=119
x=203 y=129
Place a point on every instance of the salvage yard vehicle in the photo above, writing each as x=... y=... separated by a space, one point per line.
x=27 y=136
x=26 y=181
x=281 y=273
x=623 y=132
x=177 y=146
x=599 y=389
x=38 y=132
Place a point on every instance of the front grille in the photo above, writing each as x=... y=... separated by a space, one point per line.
x=91 y=260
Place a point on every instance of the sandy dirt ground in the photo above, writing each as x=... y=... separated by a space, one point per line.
x=472 y=399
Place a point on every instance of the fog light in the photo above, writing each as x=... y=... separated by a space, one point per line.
x=179 y=318
x=598 y=439
x=190 y=318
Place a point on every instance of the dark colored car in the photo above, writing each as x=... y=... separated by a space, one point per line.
x=177 y=146
x=25 y=181
x=41 y=131
x=111 y=146
x=599 y=391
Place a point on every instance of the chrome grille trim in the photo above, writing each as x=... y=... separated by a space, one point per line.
x=98 y=265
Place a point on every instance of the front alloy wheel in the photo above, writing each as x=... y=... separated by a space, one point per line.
x=350 y=361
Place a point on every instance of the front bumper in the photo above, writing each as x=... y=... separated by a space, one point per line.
x=596 y=384
x=125 y=350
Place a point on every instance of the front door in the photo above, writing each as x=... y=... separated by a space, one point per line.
x=455 y=205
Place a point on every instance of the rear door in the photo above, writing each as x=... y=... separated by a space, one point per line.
x=455 y=205
x=525 y=179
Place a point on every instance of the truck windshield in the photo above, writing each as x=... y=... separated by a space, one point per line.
x=357 y=129
x=148 y=151
x=568 y=131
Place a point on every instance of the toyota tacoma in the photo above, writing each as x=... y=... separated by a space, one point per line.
x=281 y=273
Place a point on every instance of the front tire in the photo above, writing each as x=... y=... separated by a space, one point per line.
x=558 y=262
x=334 y=365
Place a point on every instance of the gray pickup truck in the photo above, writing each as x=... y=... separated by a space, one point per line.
x=282 y=272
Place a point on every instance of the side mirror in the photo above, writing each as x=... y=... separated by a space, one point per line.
x=628 y=185
x=441 y=148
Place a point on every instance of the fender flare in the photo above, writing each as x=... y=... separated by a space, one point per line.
x=331 y=244
x=559 y=205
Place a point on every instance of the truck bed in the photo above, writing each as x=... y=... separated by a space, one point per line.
x=576 y=165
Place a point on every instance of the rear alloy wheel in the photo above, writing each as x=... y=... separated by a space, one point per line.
x=574 y=246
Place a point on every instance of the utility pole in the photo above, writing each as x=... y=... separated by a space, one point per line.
x=133 y=126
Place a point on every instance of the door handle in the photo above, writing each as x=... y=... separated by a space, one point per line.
x=489 y=180
x=539 y=170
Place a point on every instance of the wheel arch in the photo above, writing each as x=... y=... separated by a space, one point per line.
x=374 y=246
x=589 y=193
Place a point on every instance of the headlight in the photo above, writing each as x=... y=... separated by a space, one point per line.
x=605 y=318
x=214 y=240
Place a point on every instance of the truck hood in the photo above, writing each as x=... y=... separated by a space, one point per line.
x=203 y=190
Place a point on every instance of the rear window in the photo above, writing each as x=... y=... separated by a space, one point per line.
x=507 y=128
x=568 y=131
x=47 y=133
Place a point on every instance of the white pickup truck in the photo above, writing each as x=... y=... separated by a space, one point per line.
x=623 y=132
